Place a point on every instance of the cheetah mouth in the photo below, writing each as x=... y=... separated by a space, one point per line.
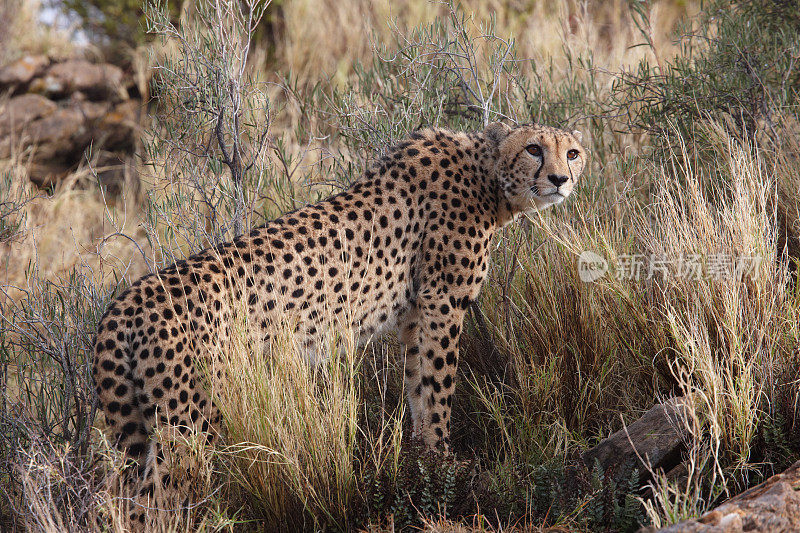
x=555 y=194
x=553 y=198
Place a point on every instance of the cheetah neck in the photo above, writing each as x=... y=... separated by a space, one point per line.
x=487 y=166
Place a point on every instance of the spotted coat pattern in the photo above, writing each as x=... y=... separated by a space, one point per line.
x=406 y=247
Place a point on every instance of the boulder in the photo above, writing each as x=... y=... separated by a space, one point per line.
x=23 y=70
x=20 y=111
x=118 y=128
x=772 y=506
x=64 y=131
x=96 y=81
x=657 y=437
x=61 y=135
x=61 y=111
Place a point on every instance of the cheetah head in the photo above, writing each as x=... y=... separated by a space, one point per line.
x=537 y=166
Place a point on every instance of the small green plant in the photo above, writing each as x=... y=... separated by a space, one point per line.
x=13 y=199
x=589 y=496
x=425 y=486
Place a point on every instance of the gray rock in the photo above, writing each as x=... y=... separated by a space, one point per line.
x=658 y=437
x=771 y=507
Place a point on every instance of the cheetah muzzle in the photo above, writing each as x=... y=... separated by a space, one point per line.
x=406 y=246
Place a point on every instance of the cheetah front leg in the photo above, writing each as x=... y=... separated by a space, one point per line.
x=430 y=335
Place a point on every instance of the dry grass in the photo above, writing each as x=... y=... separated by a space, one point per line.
x=104 y=503
x=551 y=363
x=22 y=33
x=349 y=30
x=72 y=228
x=291 y=424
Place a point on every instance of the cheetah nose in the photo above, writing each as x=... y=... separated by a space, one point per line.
x=557 y=180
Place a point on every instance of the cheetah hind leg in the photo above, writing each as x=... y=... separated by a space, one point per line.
x=412 y=376
x=412 y=385
x=148 y=490
x=174 y=478
x=176 y=471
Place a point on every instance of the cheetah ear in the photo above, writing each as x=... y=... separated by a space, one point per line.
x=578 y=135
x=496 y=132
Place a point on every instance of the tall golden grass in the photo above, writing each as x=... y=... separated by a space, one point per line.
x=567 y=359
x=291 y=424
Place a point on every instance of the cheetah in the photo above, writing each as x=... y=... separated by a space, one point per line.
x=407 y=247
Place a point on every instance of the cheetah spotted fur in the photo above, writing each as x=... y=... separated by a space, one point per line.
x=406 y=246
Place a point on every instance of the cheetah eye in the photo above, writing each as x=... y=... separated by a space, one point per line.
x=534 y=149
x=572 y=154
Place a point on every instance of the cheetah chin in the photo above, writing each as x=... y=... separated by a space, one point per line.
x=405 y=248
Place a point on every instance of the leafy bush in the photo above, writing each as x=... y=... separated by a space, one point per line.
x=737 y=65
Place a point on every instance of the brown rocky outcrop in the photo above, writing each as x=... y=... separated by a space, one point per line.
x=53 y=112
x=20 y=111
x=19 y=73
x=97 y=82
x=771 y=507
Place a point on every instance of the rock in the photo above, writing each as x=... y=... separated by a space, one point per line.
x=67 y=108
x=772 y=506
x=20 y=111
x=23 y=70
x=97 y=82
x=47 y=174
x=61 y=135
x=92 y=112
x=658 y=437
x=117 y=129
x=679 y=474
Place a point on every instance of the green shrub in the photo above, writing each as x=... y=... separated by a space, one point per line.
x=737 y=64
x=118 y=22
